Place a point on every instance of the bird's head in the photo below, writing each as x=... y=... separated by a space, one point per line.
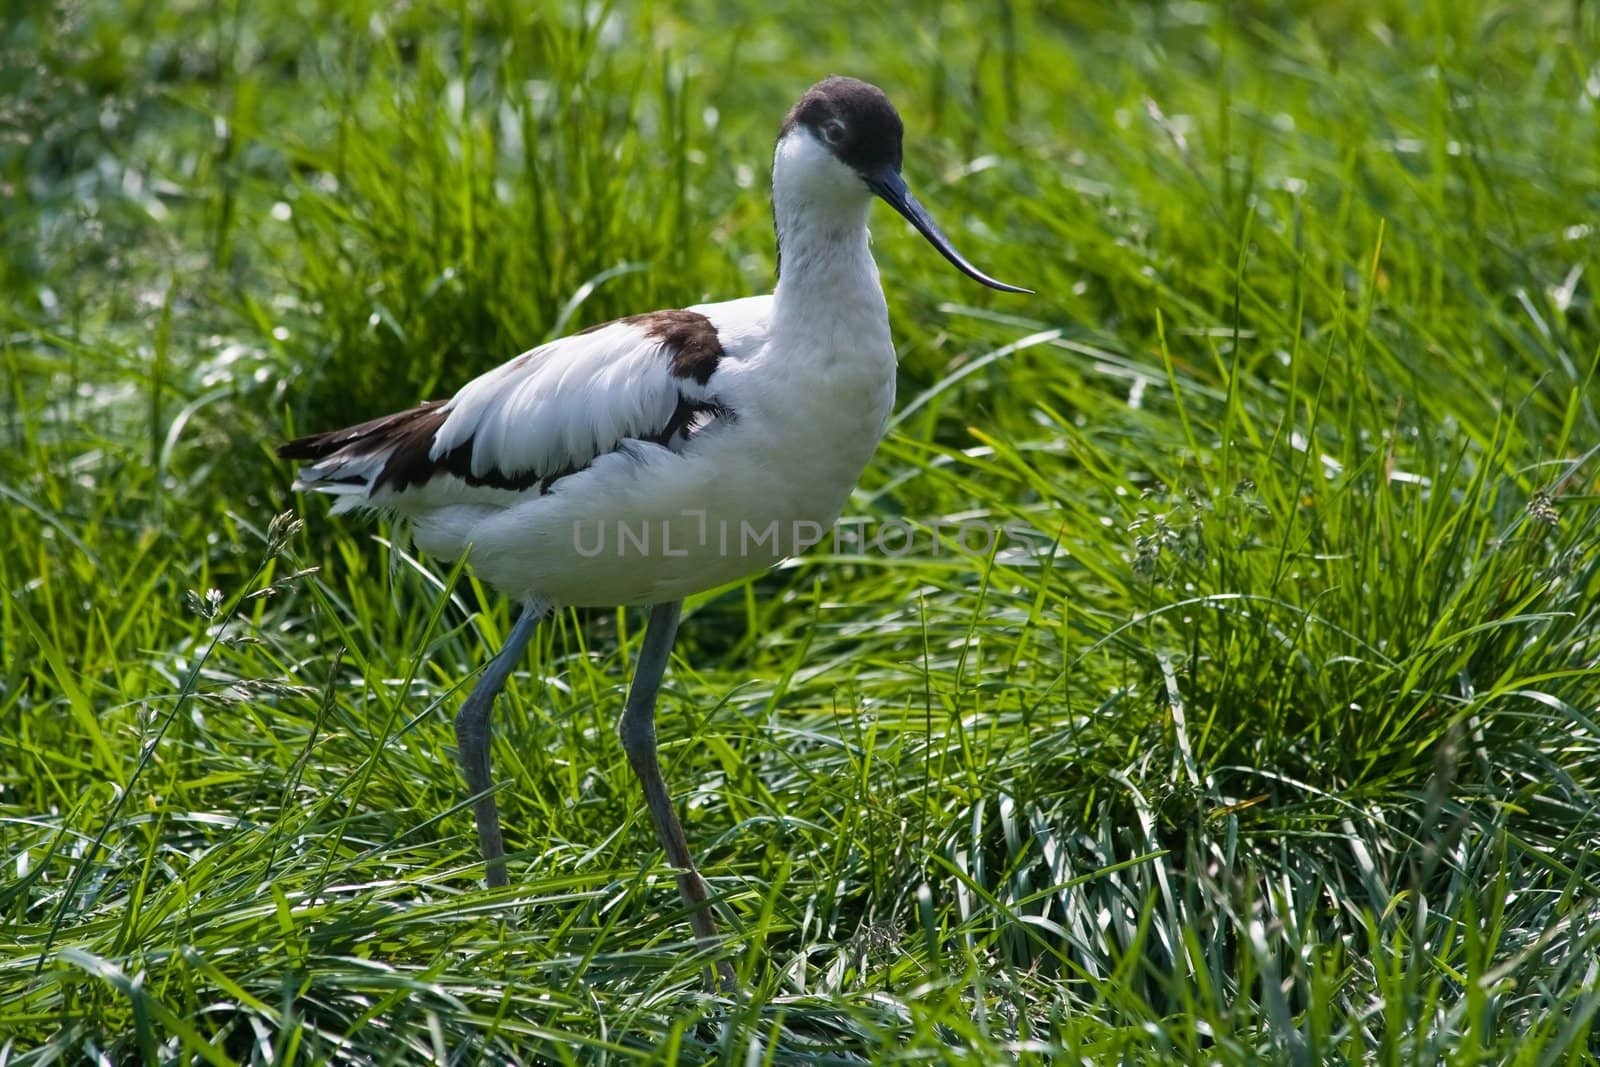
x=841 y=145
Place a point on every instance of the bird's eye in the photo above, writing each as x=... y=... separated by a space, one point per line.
x=833 y=131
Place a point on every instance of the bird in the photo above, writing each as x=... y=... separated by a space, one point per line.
x=662 y=454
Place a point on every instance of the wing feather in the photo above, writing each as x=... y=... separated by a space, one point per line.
x=529 y=422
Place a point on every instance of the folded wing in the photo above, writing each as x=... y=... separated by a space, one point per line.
x=522 y=427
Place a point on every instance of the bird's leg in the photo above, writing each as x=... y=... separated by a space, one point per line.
x=472 y=739
x=638 y=731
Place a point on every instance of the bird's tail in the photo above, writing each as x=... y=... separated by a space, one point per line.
x=355 y=463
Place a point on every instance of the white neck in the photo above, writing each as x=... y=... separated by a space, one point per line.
x=826 y=273
x=822 y=256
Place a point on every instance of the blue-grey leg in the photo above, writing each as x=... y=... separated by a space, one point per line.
x=472 y=739
x=638 y=731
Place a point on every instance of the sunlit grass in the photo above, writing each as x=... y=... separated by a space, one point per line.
x=1266 y=731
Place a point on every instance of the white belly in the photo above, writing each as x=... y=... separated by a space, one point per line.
x=644 y=525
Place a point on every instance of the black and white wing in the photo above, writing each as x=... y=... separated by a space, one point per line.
x=548 y=413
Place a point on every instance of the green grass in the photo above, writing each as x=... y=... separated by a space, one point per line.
x=1270 y=731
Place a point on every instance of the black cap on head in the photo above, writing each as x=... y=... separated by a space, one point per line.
x=854 y=119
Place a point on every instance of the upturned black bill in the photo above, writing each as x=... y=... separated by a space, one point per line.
x=887 y=183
